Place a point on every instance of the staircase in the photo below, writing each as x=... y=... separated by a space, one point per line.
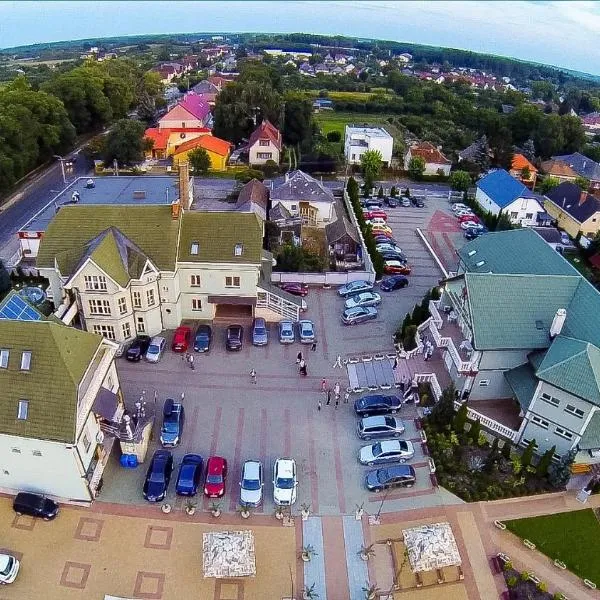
x=273 y=304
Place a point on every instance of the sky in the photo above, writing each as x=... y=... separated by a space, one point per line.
x=565 y=34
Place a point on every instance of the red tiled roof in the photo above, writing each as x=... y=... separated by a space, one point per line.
x=558 y=168
x=195 y=105
x=428 y=152
x=160 y=137
x=519 y=162
x=255 y=192
x=208 y=142
x=266 y=131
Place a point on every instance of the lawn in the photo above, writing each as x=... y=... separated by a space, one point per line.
x=571 y=537
x=330 y=120
x=581 y=264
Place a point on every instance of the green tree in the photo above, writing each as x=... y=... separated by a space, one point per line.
x=506 y=449
x=460 y=180
x=371 y=164
x=583 y=183
x=559 y=473
x=298 y=260
x=5 y=283
x=549 y=138
x=528 y=453
x=526 y=173
x=352 y=188
x=545 y=462
x=199 y=160
x=393 y=192
x=442 y=412
x=572 y=133
x=416 y=167
x=475 y=431
x=492 y=457
x=529 y=150
x=334 y=136
x=298 y=123
x=125 y=143
x=460 y=419
x=547 y=184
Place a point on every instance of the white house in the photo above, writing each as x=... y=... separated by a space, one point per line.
x=435 y=162
x=265 y=144
x=499 y=192
x=358 y=139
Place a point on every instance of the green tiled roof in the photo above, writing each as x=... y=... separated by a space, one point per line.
x=591 y=436
x=583 y=314
x=514 y=251
x=217 y=234
x=574 y=366
x=523 y=382
x=516 y=311
x=106 y=256
x=60 y=356
x=68 y=236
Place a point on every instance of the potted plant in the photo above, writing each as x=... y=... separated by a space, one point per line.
x=308 y=592
x=360 y=511
x=370 y=591
x=305 y=511
x=244 y=511
x=166 y=508
x=190 y=507
x=307 y=553
x=367 y=552
x=279 y=512
x=215 y=509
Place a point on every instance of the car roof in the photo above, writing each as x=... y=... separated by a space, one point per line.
x=192 y=458
x=157 y=339
x=215 y=464
x=390 y=445
x=203 y=329
x=285 y=467
x=373 y=421
x=395 y=470
x=251 y=469
x=259 y=321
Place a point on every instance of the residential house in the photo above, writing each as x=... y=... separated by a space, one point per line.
x=303 y=196
x=321 y=68
x=553 y=237
x=342 y=238
x=575 y=210
x=217 y=149
x=498 y=192
x=265 y=144
x=58 y=386
x=591 y=123
x=207 y=90
x=559 y=170
x=521 y=165
x=584 y=167
x=530 y=350
x=405 y=57
x=435 y=162
x=254 y=197
x=358 y=139
x=166 y=140
x=219 y=81
x=306 y=69
x=191 y=112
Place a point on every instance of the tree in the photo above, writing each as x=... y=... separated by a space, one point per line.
x=393 y=192
x=334 y=136
x=529 y=150
x=298 y=260
x=416 y=167
x=492 y=457
x=5 y=283
x=352 y=188
x=475 y=431
x=582 y=182
x=525 y=173
x=506 y=449
x=460 y=419
x=460 y=180
x=370 y=162
x=528 y=453
x=572 y=133
x=549 y=138
x=547 y=184
x=124 y=143
x=380 y=192
x=297 y=123
x=559 y=473
x=545 y=462
x=199 y=160
x=442 y=412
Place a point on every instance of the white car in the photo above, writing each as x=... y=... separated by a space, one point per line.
x=386 y=451
x=388 y=248
x=9 y=567
x=471 y=225
x=155 y=349
x=376 y=221
x=284 y=482
x=459 y=206
x=464 y=212
x=251 y=483
x=363 y=299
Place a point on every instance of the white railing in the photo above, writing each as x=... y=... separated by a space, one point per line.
x=277 y=304
x=329 y=278
x=431 y=379
x=489 y=423
x=94 y=380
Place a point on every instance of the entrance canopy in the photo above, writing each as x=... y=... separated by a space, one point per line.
x=431 y=547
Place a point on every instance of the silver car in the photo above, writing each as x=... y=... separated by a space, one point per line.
x=286 y=332
x=386 y=451
x=306 y=331
x=355 y=287
x=363 y=299
x=155 y=349
x=380 y=426
x=251 y=483
x=360 y=314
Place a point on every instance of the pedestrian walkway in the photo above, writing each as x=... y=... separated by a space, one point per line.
x=314 y=569
x=357 y=568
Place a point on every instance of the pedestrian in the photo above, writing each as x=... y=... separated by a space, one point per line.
x=253 y=376
x=301 y=365
x=336 y=390
x=298 y=358
x=303 y=369
x=395 y=363
x=403 y=384
x=328 y=397
x=323 y=384
x=347 y=396
x=319 y=405
x=337 y=401
x=314 y=346
x=191 y=361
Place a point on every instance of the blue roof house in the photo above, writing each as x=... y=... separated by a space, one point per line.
x=498 y=192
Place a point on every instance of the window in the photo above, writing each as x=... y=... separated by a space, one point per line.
x=4 y=359
x=23 y=410
x=126 y=327
x=122 y=303
x=107 y=331
x=36 y=452
x=529 y=216
x=550 y=399
x=99 y=307
x=543 y=424
x=86 y=442
x=576 y=412
x=514 y=215
x=239 y=248
x=95 y=283
x=264 y=143
x=195 y=280
x=165 y=288
x=195 y=248
x=16 y=450
x=182 y=124
x=264 y=155
x=232 y=282
x=196 y=304
x=150 y=297
x=294 y=207
x=26 y=360
x=140 y=325
x=137 y=300
x=563 y=433
x=484 y=383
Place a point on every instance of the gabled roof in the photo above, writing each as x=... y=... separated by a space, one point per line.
x=582 y=165
x=519 y=162
x=160 y=137
x=339 y=228
x=558 y=168
x=279 y=212
x=253 y=192
x=208 y=142
x=195 y=105
x=501 y=188
x=266 y=131
x=574 y=366
x=591 y=436
x=205 y=87
x=523 y=383
x=429 y=153
x=575 y=202
x=60 y=356
x=297 y=186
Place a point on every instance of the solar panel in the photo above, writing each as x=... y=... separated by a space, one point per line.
x=17 y=309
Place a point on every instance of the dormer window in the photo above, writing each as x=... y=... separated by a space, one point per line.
x=26 y=360
x=195 y=248
x=23 y=410
x=239 y=248
x=4 y=359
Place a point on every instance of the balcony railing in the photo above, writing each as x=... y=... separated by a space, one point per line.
x=431 y=379
x=277 y=304
x=489 y=423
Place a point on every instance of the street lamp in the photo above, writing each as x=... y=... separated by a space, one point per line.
x=62 y=167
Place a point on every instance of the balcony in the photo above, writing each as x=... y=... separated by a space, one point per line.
x=497 y=416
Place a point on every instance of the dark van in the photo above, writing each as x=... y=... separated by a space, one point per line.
x=36 y=505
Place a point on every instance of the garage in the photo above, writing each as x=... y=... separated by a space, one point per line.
x=230 y=308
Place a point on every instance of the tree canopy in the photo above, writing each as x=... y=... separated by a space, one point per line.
x=199 y=160
x=125 y=143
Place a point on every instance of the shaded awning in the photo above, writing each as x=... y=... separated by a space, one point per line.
x=238 y=300
x=105 y=404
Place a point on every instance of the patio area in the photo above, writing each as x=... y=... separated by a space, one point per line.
x=503 y=410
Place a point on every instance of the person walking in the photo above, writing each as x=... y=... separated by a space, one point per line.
x=314 y=346
x=319 y=405
x=395 y=363
x=403 y=384
x=347 y=396
x=337 y=402
x=253 y=376
x=328 y=397
x=298 y=358
x=323 y=384
x=302 y=367
x=336 y=390
x=191 y=361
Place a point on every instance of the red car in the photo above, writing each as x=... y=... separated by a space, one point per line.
x=464 y=218
x=372 y=214
x=391 y=267
x=297 y=289
x=216 y=473
x=181 y=339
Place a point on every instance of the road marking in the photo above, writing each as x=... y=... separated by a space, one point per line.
x=287 y=431
x=237 y=469
x=263 y=450
x=337 y=459
x=312 y=462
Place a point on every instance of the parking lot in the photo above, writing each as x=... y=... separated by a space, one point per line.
x=228 y=416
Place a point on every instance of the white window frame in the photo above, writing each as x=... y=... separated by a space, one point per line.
x=107 y=331
x=550 y=399
x=99 y=307
x=140 y=325
x=150 y=297
x=264 y=143
x=238 y=249
x=196 y=303
x=574 y=411
x=122 y=304
x=230 y=281
x=195 y=281
x=484 y=383
x=95 y=283
x=4 y=356
x=563 y=433
x=195 y=248
x=136 y=296
x=23 y=410
x=26 y=360
x=540 y=422
x=126 y=329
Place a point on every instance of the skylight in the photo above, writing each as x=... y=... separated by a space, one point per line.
x=4 y=359
x=195 y=248
x=480 y=263
x=239 y=248
x=472 y=252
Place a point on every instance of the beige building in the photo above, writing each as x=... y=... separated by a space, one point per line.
x=265 y=144
x=575 y=210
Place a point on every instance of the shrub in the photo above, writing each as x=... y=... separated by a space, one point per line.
x=475 y=431
x=270 y=168
x=545 y=462
x=542 y=587
x=506 y=449
x=511 y=581
x=408 y=341
x=334 y=136
x=460 y=419
x=525 y=576
x=528 y=454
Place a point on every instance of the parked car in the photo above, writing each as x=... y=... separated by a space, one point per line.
x=189 y=476
x=234 y=337
x=376 y=214
x=172 y=426
x=405 y=201
x=385 y=238
x=355 y=287
x=138 y=348
x=35 y=505
x=377 y=228
x=391 y=246
x=389 y=255
x=9 y=568
x=462 y=212
x=464 y=225
x=284 y=482
x=390 y=477
x=377 y=404
x=373 y=203
x=458 y=206
x=471 y=234
x=306 y=331
x=468 y=217
x=156 y=349
x=286 y=332
x=297 y=289
x=216 y=475
x=418 y=202
x=363 y=299
x=203 y=338
x=391 y=267
x=380 y=426
x=395 y=282
x=391 y=202
x=386 y=451
x=260 y=334
x=181 y=339
x=251 y=483
x=376 y=221
x=158 y=476
x=360 y=314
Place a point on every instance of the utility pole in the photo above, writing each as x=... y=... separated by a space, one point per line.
x=62 y=167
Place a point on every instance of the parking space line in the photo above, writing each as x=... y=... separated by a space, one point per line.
x=322 y=337
x=312 y=462
x=263 y=449
x=287 y=432
x=337 y=459
x=214 y=440
x=400 y=495
x=236 y=470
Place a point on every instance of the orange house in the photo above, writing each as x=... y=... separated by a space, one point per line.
x=519 y=162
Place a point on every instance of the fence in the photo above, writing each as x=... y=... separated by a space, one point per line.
x=329 y=278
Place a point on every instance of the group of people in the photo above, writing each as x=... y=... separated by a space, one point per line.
x=301 y=364
x=327 y=393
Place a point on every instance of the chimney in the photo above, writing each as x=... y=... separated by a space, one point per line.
x=558 y=322
x=583 y=197
x=184 y=184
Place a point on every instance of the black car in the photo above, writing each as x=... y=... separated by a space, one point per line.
x=377 y=404
x=391 y=202
x=235 y=335
x=202 y=338
x=172 y=427
x=373 y=203
x=190 y=473
x=158 y=476
x=36 y=505
x=418 y=202
x=390 y=477
x=384 y=239
x=395 y=282
x=391 y=255
x=138 y=348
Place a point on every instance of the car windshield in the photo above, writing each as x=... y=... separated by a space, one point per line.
x=170 y=426
x=284 y=483
x=383 y=475
x=214 y=478
x=154 y=349
x=9 y=566
x=403 y=446
x=259 y=330
x=376 y=448
x=156 y=477
x=251 y=484
x=203 y=337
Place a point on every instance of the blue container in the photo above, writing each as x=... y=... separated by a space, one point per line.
x=129 y=461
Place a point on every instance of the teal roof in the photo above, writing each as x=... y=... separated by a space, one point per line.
x=535 y=358
x=591 y=436
x=574 y=366
x=523 y=382
x=511 y=252
x=583 y=314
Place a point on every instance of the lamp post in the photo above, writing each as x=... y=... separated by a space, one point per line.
x=62 y=167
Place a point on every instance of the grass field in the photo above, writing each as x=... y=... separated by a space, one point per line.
x=347 y=96
x=571 y=537
x=330 y=120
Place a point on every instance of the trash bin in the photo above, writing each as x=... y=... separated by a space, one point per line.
x=129 y=461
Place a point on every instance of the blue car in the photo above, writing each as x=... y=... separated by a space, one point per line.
x=172 y=427
x=203 y=338
x=260 y=335
x=395 y=282
x=306 y=331
x=190 y=473
x=158 y=476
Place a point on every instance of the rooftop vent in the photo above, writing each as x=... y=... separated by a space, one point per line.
x=557 y=323
x=480 y=263
x=139 y=195
x=472 y=252
x=539 y=325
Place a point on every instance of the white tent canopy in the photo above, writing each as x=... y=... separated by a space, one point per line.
x=431 y=547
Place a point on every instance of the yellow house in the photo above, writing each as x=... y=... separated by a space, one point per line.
x=165 y=141
x=575 y=210
x=218 y=150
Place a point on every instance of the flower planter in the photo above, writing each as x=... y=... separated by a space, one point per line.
x=216 y=513
x=166 y=508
